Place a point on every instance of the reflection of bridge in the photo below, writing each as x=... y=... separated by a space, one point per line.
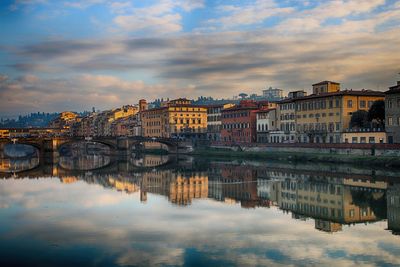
x=116 y=144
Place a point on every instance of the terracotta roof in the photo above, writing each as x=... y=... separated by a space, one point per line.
x=340 y=93
x=266 y=110
x=240 y=108
x=325 y=82
x=394 y=89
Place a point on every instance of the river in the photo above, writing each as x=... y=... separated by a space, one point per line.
x=154 y=210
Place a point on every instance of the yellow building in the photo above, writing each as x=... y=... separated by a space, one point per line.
x=364 y=137
x=323 y=116
x=64 y=120
x=4 y=133
x=174 y=118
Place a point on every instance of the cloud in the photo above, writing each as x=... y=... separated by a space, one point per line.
x=82 y=4
x=252 y=13
x=77 y=92
x=151 y=52
x=160 y=18
x=167 y=23
x=136 y=234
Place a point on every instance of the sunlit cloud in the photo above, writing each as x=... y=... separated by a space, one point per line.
x=232 y=48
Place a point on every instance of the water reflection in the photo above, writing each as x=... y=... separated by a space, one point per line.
x=14 y=165
x=189 y=211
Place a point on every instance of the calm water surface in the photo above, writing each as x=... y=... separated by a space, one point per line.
x=159 y=210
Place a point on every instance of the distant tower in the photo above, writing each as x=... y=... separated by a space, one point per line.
x=93 y=110
x=142 y=105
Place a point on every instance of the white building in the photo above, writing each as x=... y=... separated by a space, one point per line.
x=266 y=122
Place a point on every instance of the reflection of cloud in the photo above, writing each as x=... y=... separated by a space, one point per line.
x=160 y=233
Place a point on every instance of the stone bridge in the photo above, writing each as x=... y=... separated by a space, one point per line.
x=48 y=145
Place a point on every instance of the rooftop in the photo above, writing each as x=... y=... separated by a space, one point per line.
x=325 y=82
x=362 y=92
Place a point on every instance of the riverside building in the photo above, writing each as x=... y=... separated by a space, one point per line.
x=176 y=118
x=325 y=115
x=392 y=113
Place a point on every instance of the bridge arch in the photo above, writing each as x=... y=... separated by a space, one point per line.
x=109 y=143
x=172 y=145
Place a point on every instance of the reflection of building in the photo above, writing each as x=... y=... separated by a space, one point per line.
x=150 y=160
x=5 y=165
x=18 y=164
x=84 y=162
x=184 y=189
x=238 y=183
x=179 y=188
x=327 y=226
x=125 y=186
x=342 y=201
x=393 y=208
x=68 y=179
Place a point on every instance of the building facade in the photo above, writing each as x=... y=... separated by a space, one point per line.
x=214 y=123
x=176 y=118
x=272 y=94
x=239 y=123
x=266 y=123
x=392 y=113
x=286 y=120
x=323 y=116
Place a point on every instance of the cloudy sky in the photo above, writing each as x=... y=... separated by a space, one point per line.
x=72 y=55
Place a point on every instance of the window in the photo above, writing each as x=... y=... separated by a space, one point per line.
x=371 y=140
x=370 y=103
x=351 y=213
x=354 y=139
x=349 y=103
x=362 y=104
x=363 y=140
x=390 y=121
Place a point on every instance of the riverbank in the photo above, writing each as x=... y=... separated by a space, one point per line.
x=378 y=161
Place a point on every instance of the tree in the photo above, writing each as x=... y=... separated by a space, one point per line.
x=376 y=113
x=359 y=119
x=243 y=95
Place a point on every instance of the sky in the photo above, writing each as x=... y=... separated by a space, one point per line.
x=75 y=55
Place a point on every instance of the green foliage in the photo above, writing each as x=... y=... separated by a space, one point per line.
x=377 y=113
x=359 y=119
